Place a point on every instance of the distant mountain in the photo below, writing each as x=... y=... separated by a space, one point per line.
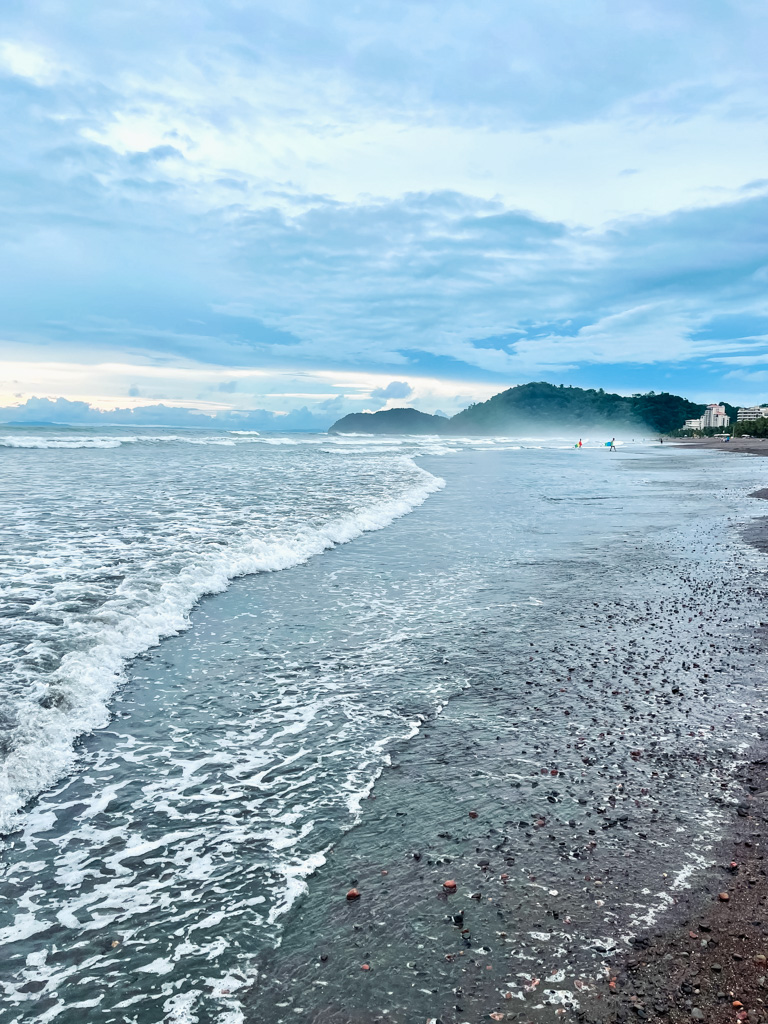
x=391 y=421
x=536 y=406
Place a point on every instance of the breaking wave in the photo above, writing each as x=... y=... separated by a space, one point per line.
x=75 y=698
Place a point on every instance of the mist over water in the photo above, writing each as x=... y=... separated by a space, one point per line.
x=173 y=846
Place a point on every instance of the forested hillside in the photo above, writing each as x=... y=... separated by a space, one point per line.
x=535 y=407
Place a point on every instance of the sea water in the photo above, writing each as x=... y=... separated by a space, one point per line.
x=165 y=803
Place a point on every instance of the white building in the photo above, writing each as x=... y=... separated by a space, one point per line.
x=714 y=416
x=752 y=412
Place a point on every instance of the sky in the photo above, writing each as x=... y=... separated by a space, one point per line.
x=280 y=212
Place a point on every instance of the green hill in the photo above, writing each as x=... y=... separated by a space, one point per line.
x=391 y=421
x=533 y=407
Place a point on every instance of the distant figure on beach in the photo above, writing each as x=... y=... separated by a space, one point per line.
x=579 y=444
x=661 y=440
x=613 y=445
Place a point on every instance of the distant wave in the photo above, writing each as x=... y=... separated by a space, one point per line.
x=27 y=441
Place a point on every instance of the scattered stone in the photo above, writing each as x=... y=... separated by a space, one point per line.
x=450 y=885
x=353 y=894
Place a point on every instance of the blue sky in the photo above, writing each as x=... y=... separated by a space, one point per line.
x=294 y=210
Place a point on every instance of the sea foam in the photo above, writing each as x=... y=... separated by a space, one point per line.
x=80 y=688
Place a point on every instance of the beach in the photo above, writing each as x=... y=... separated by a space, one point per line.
x=571 y=901
x=541 y=683
x=743 y=445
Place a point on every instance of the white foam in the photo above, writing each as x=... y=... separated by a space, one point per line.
x=110 y=441
x=179 y=1009
x=163 y=965
x=60 y=442
x=88 y=677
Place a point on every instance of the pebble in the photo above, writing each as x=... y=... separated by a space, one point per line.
x=449 y=885
x=353 y=894
x=724 y=897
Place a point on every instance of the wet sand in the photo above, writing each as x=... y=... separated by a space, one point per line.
x=744 y=445
x=710 y=961
x=561 y=845
x=589 y=765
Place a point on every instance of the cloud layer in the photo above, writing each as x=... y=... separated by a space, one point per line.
x=408 y=191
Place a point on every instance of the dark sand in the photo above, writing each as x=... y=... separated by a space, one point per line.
x=408 y=951
x=711 y=961
x=745 y=445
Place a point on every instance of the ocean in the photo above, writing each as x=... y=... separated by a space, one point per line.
x=241 y=673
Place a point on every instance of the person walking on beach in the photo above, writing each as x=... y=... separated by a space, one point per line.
x=579 y=444
x=613 y=445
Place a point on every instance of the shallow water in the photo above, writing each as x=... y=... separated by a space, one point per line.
x=108 y=540
x=155 y=881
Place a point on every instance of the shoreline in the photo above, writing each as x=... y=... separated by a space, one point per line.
x=739 y=445
x=561 y=776
x=522 y=938
x=709 y=962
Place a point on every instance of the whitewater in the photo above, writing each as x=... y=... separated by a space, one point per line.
x=242 y=672
x=102 y=559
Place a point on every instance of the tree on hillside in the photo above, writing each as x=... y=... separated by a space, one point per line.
x=664 y=412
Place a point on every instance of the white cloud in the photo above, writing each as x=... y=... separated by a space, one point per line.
x=389 y=188
x=644 y=334
x=29 y=62
x=196 y=386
